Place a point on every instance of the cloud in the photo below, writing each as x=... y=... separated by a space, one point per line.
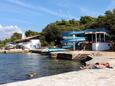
x=40 y=9
x=7 y=31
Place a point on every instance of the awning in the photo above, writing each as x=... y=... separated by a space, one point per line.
x=98 y=30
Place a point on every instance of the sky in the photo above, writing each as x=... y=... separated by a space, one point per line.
x=22 y=15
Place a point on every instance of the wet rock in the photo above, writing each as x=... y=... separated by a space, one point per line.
x=31 y=75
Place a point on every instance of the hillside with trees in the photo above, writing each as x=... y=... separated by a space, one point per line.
x=51 y=33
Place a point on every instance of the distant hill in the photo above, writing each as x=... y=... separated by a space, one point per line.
x=52 y=31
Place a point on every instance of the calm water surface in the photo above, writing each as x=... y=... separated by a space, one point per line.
x=15 y=67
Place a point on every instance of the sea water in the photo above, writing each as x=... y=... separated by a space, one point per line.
x=15 y=67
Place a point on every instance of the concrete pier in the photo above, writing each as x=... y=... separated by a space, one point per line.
x=71 y=55
x=76 y=55
x=68 y=55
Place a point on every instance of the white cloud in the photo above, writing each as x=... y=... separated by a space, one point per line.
x=7 y=31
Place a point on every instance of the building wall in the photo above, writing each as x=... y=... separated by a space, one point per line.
x=35 y=44
x=101 y=46
x=32 y=44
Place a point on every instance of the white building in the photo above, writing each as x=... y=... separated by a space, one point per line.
x=99 y=38
x=92 y=39
x=30 y=43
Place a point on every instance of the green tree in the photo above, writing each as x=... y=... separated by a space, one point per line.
x=87 y=19
x=16 y=36
x=4 y=42
x=107 y=21
x=51 y=33
x=30 y=33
